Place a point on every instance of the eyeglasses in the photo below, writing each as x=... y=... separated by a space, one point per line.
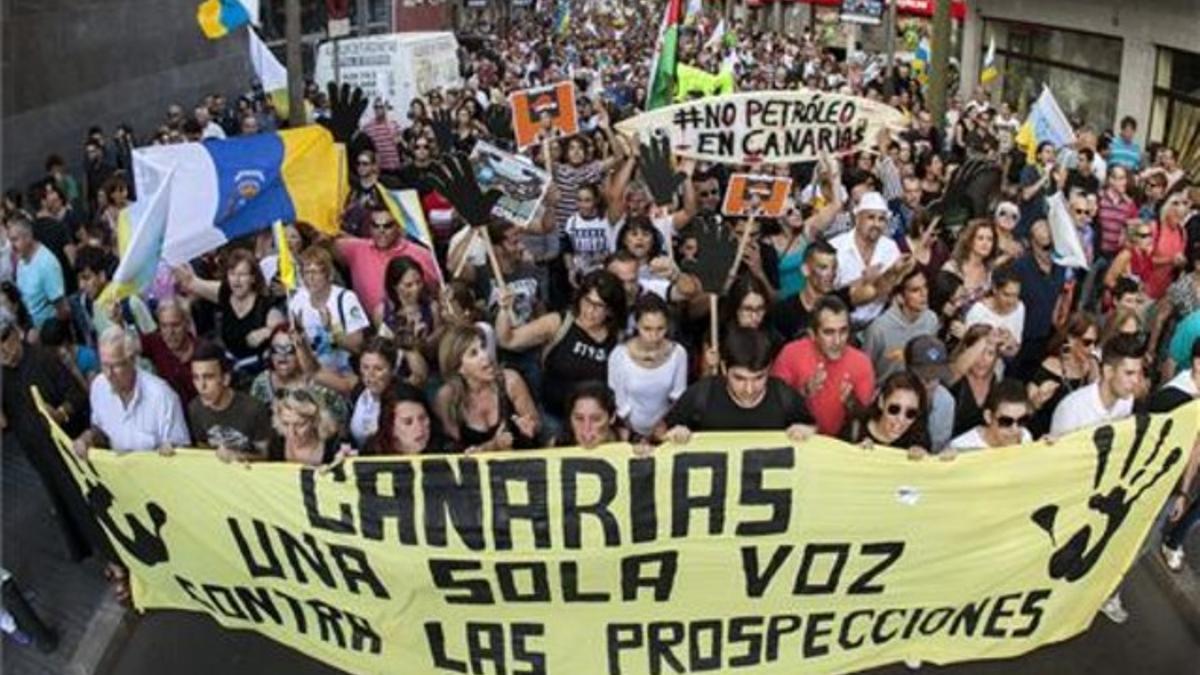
x=896 y=409
x=753 y=309
x=707 y=193
x=384 y=225
x=283 y=349
x=1008 y=422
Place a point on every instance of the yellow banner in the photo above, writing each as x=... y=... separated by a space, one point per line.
x=739 y=552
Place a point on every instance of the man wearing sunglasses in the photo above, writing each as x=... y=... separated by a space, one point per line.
x=368 y=259
x=1006 y=415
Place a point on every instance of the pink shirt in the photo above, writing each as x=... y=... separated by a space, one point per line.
x=368 y=265
x=1169 y=242
x=797 y=363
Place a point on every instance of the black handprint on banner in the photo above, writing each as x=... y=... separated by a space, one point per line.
x=145 y=544
x=1112 y=496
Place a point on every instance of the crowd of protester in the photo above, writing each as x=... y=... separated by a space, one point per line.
x=864 y=313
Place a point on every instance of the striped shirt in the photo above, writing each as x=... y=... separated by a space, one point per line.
x=1116 y=210
x=384 y=136
x=568 y=179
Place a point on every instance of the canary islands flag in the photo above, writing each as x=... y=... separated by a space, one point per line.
x=227 y=189
x=989 y=72
x=218 y=18
x=141 y=231
x=920 y=60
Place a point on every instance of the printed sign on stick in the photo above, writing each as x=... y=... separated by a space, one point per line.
x=522 y=184
x=544 y=109
x=765 y=196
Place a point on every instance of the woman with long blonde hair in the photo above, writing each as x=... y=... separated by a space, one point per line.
x=482 y=407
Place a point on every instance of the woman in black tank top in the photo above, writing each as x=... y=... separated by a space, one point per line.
x=482 y=407
x=575 y=345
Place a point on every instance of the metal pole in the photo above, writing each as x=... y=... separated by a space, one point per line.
x=295 y=66
x=939 y=78
x=890 y=35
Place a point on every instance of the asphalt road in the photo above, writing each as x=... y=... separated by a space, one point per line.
x=1155 y=641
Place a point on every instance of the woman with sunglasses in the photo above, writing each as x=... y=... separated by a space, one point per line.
x=284 y=372
x=1168 y=252
x=1006 y=418
x=1006 y=217
x=1135 y=260
x=1071 y=363
x=898 y=417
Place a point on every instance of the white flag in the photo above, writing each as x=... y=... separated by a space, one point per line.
x=1068 y=247
x=267 y=68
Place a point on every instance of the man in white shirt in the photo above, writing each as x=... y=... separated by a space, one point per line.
x=1108 y=400
x=866 y=254
x=1006 y=414
x=132 y=410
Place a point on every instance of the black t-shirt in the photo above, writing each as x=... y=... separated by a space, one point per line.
x=56 y=236
x=706 y=406
x=790 y=318
x=245 y=426
x=234 y=329
x=576 y=358
x=1169 y=398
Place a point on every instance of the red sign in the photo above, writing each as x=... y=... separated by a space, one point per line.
x=420 y=15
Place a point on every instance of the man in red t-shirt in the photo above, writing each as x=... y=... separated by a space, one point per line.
x=368 y=258
x=835 y=379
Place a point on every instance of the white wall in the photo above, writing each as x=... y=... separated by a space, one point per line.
x=1143 y=26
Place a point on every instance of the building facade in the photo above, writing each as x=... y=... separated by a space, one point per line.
x=1104 y=60
x=70 y=65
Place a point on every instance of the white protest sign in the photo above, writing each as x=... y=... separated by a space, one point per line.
x=397 y=67
x=522 y=184
x=770 y=127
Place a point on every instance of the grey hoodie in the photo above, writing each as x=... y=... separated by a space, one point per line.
x=885 y=337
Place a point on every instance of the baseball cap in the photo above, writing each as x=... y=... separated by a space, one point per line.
x=871 y=201
x=926 y=356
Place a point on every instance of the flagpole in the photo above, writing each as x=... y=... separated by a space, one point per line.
x=295 y=66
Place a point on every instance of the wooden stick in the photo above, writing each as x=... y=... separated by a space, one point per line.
x=462 y=262
x=495 y=262
x=743 y=241
x=714 y=325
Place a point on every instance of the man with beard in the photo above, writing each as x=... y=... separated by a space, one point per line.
x=869 y=263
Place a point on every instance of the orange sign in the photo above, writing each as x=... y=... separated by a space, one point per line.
x=544 y=110
x=765 y=196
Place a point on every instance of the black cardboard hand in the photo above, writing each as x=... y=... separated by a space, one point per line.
x=660 y=176
x=716 y=255
x=346 y=108
x=455 y=179
x=443 y=129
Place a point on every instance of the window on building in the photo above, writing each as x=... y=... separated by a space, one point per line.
x=1081 y=69
x=1175 y=115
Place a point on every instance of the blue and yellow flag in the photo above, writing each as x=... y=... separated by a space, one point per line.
x=227 y=189
x=218 y=18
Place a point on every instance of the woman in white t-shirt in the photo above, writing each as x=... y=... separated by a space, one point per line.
x=1003 y=310
x=647 y=373
x=587 y=234
x=331 y=317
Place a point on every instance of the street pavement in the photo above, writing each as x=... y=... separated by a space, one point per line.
x=74 y=599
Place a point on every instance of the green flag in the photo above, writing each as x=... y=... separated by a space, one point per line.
x=661 y=91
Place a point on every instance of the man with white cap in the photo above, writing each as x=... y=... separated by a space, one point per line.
x=869 y=262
